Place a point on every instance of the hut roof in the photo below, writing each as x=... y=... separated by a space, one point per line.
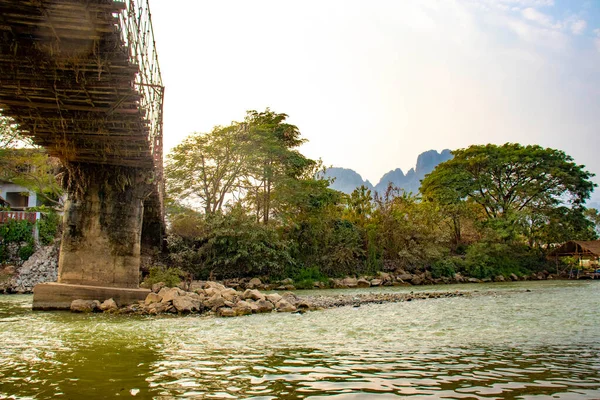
x=581 y=247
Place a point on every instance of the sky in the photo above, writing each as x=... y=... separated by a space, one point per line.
x=373 y=83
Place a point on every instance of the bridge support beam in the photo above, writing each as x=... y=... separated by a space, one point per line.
x=102 y=235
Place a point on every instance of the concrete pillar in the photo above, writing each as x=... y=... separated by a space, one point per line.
x=102 y=227
x=100 y=248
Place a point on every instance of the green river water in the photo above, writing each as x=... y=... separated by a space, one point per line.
x=528 y=340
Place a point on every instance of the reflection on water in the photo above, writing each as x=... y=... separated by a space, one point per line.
x=507 y=344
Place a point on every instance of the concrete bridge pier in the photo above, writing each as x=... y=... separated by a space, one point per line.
x=100 y=249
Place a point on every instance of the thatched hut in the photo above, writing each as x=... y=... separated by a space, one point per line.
x=586 y=252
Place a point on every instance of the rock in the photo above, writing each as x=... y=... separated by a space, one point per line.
x=109 y=305
x=350 y=282
x=158 y=286
x=319 y=285
x=404 y=277
x=416 y=280
x=305 y=305
x=284 y=306
x=385 y=277
x=339 y=284
x=169 y=294
x=376 y=282
x=486 y=280
x=230 y=294
x=85 y=306
x=514 y=277
x=242 y=308
x=254 y=283
x=363 y=283
x=215 y=302
x=287 y=281
x=473 y=280
x=152 y=298
x=185 y=304
x=225 y=312
x=291 y=298
x=499 y=278
x=157 y=308
x=253 y=295
x=274 y=298
x=263 y=306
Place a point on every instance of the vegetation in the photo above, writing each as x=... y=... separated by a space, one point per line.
x=246 y=202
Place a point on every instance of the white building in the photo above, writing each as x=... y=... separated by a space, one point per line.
x=19 y=197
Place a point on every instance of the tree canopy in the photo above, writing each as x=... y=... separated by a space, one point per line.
x=510 y=178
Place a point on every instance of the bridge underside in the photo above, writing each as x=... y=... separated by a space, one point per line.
x=67 y=79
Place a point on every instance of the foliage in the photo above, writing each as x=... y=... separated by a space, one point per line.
x=305 y=278
x=232 y=244
x=22 y=163
x=171 y=277
x=48 y=227
x=208 y=168
x=19 y=232
x=267 y=211
x=509 y=179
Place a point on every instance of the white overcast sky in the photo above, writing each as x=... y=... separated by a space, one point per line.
x=373 y=83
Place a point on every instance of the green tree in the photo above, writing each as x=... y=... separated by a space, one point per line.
x=273 y=158
x=208 y=168
x=518 y=188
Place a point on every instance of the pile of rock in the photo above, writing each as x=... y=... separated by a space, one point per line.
x=41 y=267
x=211 y=297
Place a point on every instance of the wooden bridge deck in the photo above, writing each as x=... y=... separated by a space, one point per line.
x=70 y=80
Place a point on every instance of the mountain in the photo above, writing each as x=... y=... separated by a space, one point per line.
x=346 y=180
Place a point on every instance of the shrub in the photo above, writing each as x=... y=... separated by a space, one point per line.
x=443 y=267
x=170 y=276
x=305 y=278
x=48 y=227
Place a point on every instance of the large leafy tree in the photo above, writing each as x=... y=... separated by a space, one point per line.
x=511 y=177
x=273 y=158
x=514 y=186
x=208 y=169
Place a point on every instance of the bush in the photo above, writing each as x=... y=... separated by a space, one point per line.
x=444 y=267
x=231 y=245
x=170 y=276
x=486 y=260
x=305 y=278
x=48 y=227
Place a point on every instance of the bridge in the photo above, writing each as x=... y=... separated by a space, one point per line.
x=82 y=79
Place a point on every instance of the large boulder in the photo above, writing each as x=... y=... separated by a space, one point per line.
x=152 y=298
x=185 y=304
x=230 y=294
x=262 y=306
x=215 y=302
x=109 y=305
x=284 y=306
x=404 y=277
x=85 y=306
x=254 y=283
x=350 y=282
x=225 y=312
x=376 y=282
x=416 y=280
x=169 y=294
x=274 y=298
x=242 y=308
x=363 y=283
x=253 y=295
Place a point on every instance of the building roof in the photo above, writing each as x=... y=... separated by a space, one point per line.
x=577 y=247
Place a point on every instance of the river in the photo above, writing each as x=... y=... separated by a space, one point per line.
x=528 y=340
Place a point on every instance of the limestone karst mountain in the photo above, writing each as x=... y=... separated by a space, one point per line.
x=346 y=180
